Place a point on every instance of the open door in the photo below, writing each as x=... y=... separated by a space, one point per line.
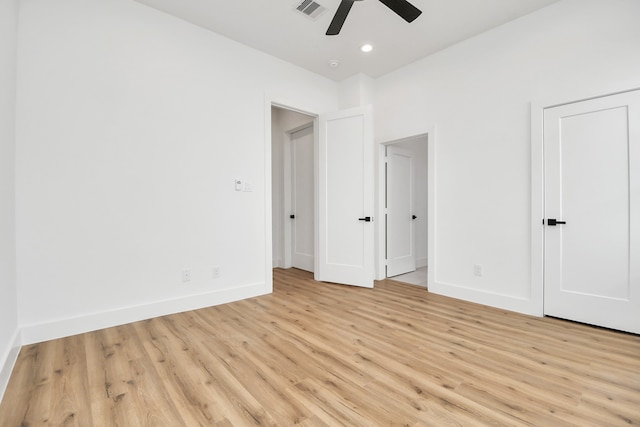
x=345 y=198
x=301 y=216
x=401 y=256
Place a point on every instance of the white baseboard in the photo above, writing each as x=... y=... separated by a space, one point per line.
x=77 y=325
x=421 y=262
x=492 y=299
x=8 y=361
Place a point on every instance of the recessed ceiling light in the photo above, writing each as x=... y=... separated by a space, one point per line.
x=334 y=63
x=366 y=48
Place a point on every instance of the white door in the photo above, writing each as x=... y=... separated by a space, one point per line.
x=302 y=205
x=345 y=198
x=401 y=256
x=592 y=191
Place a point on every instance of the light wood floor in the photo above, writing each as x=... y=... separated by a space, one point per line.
x=316 y=354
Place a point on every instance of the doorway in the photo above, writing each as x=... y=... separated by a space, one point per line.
x=292 y=188
x=405 y=204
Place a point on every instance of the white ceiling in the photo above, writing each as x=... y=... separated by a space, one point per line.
x=275 y=27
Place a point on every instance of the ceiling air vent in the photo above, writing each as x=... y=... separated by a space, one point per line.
x=310 y=8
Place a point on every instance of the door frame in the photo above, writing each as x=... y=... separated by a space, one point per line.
x=428 y=131
x=537 y=192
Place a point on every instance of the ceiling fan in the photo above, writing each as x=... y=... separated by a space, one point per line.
x=403 y=8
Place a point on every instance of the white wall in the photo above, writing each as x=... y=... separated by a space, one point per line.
x=9 y=340
x=478 y=94
x=356 y=91
x=282 y=122
x=132 y=126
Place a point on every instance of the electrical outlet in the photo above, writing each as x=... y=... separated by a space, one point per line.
x=217 y=272
x=186 y=275
x=478 y=270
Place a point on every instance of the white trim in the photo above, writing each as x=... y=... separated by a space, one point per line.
x=299 y=128
x=268 y=216
x=493 y=299
x=557 y=102
x=380 y=272
x=39 y=332
x=537 y=210
x=316 y=195
x=8 y=361
x=431 y=204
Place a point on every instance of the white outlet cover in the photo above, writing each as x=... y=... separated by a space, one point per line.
x=478 y=270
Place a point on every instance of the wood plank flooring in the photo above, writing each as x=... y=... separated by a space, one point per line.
x=314 y=354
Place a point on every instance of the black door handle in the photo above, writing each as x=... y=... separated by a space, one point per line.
x=413 y=217
x=365 y=219
x=553 y=222
x=292 y=216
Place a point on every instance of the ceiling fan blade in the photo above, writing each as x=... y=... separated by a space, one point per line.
x=406 y=10
x=339 y=17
